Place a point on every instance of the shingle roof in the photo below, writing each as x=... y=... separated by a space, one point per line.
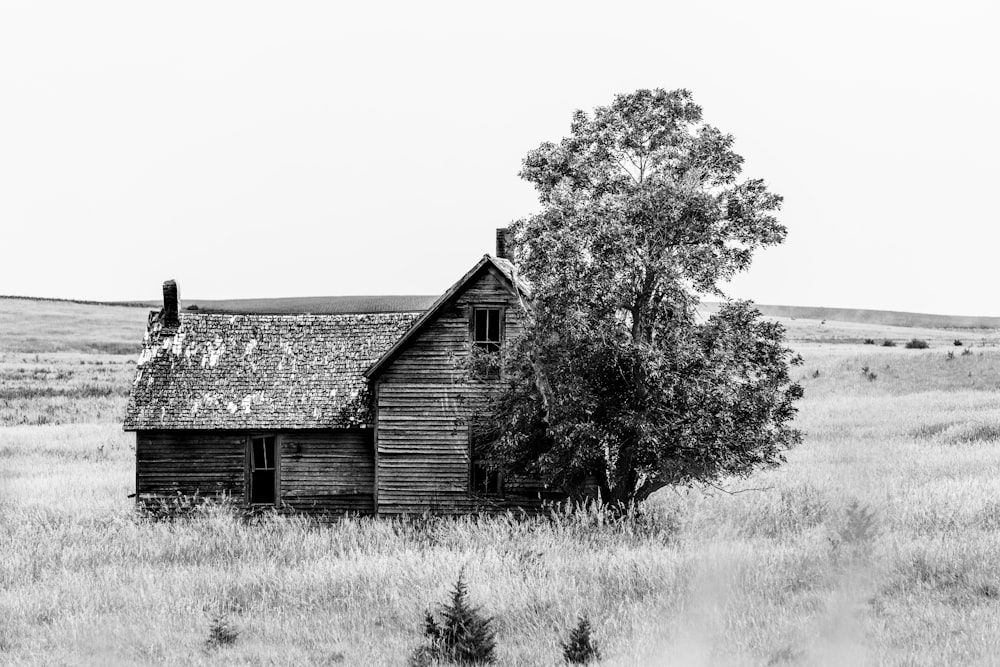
x=254 y=371
x=317 y=305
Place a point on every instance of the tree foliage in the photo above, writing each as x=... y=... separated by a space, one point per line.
x=618 y=378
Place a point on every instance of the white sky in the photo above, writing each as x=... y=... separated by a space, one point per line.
x=294 y=149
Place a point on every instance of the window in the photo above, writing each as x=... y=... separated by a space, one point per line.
x=486 y=326
x=486 y=330
x=263 y=476
x=482 y=480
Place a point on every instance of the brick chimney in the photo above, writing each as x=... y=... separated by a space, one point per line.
x=171 y=297
x=503 y=243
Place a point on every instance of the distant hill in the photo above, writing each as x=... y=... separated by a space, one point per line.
x=63 y=325
x=878 y=317
x=51 y=325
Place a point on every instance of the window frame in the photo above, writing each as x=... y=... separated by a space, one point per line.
x=501 y=326
x=477 y=462
x=275 y=467
x=474 y=344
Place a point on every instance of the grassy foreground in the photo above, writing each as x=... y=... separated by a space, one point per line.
x=877 y=543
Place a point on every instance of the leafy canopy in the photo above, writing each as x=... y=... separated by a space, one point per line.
x=618 y=379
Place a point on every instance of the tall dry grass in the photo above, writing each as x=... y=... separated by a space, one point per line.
x=877 y=543
x=64 y=388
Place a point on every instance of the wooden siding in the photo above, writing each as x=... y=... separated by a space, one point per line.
x=424 y=406
x=328 y=471
x=319 y=471
x=206 y=463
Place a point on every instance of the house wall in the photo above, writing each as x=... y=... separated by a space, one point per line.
x=424 y=405
x=328 y=471
x=207 y=463
x=319 y=471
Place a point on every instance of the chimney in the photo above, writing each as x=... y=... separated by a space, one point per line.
x=171 y=297
x=503 y=245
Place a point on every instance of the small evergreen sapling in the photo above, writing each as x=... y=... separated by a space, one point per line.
x=581 y=647
x=221 y=633
x=463 y=635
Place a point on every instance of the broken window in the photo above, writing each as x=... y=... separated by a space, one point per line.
x=486 y=325
x=487 y=334
x=262 y=470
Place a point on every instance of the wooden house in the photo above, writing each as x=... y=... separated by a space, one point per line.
x=326 y=412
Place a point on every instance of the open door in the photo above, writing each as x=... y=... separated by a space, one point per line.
x=263 y=470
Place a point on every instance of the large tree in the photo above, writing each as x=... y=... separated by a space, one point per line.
x=619 y=378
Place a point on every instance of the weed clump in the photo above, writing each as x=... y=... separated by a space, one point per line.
x=580 y=648
x=869 y=374
x=917 y=344
x=221 y=633
x=463 y=636
x=967 y=351
x=859 y=523
x=869 y=341
x=950 y=356
x=958 y=343
x=888 y=343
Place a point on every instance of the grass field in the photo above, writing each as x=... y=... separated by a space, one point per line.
x=877 y=543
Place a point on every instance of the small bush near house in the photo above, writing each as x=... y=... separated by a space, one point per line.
x=463 y=636
x=888 y=343
x=580 y=648
x=221 y=633
x=917 y=344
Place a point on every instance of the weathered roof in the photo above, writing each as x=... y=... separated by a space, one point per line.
x=252 y=371
x=506 y=267
x=501 y=266
x=316 y=305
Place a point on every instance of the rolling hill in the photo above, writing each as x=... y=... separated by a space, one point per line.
x=54 y=325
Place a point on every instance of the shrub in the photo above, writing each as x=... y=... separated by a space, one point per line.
x=869 y=374
x=859 y=523
x=816 y=373
x=463 y=636
x=958 y=343
x=967 y=351
x=869 y=341
x=888 y=343
x=950 y=355
x=917 y=344
x=580 y=648
x=221 y=633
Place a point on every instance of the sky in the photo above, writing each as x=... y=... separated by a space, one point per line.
x=253 y=149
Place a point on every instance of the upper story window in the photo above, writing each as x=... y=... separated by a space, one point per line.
x=487 y=325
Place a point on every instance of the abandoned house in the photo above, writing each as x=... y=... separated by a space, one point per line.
x=326 y=411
